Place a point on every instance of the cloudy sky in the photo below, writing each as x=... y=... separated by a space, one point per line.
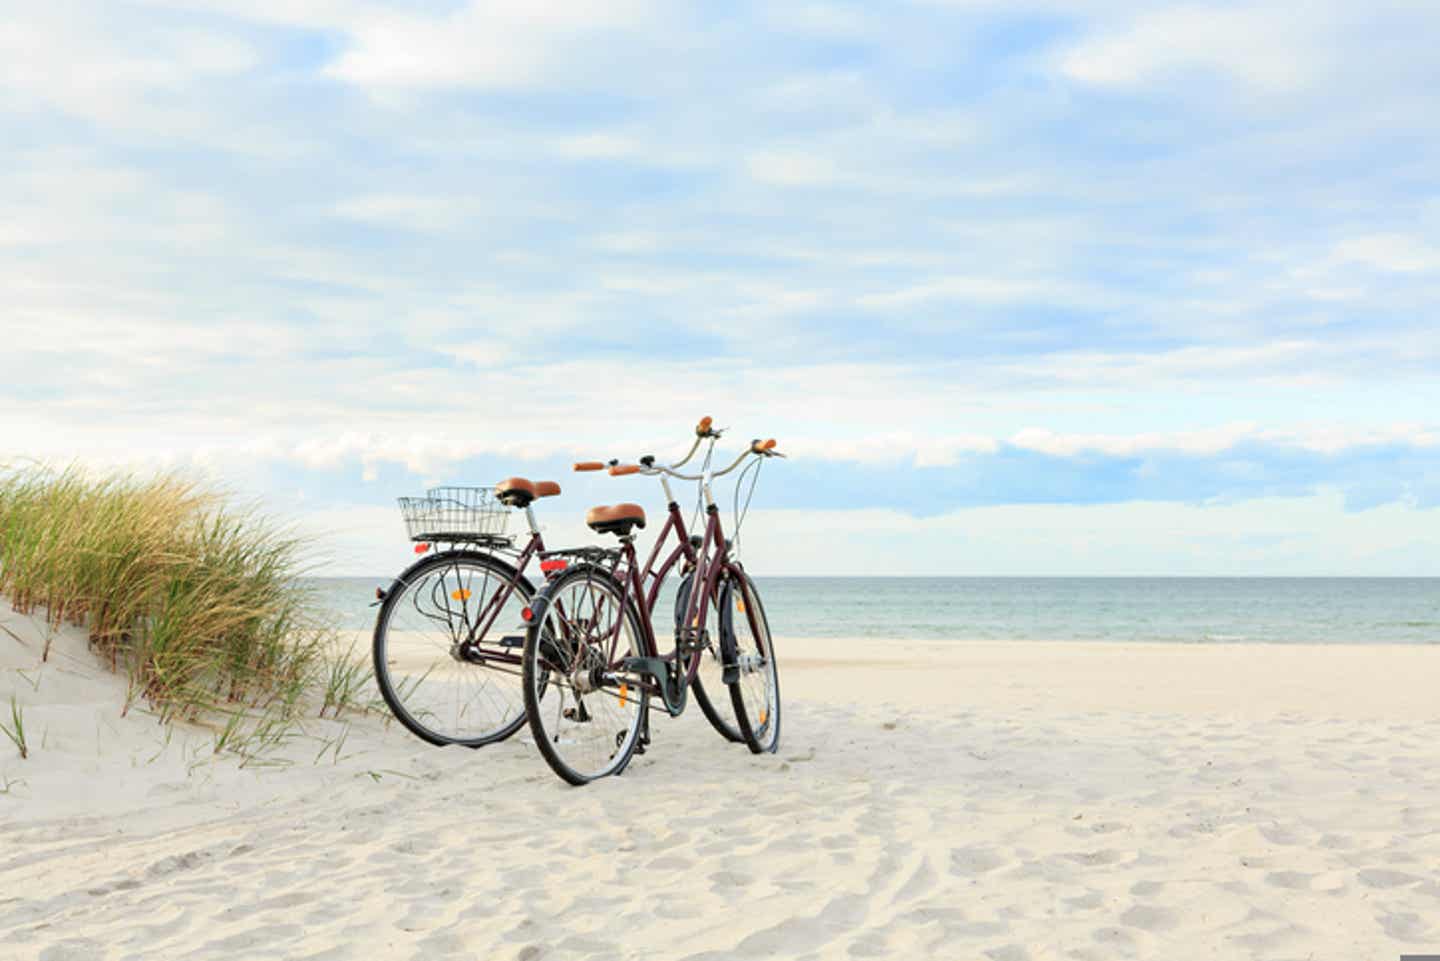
x=1024 y=287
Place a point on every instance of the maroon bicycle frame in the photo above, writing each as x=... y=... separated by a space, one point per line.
x=485 y=619
x=684 y=549
x=705 y=570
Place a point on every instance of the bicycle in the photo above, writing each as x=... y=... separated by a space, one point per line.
x=590 y=642
x=433 y=632
x=433 y=649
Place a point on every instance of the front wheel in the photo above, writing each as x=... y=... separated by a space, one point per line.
x=585 y=710
x=750 y=667
x=709 y=685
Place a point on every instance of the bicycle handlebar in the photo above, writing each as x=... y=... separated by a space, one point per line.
x=758 y=448
x=703 y=430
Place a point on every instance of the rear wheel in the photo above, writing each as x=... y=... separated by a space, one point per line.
x=755 y=678
x=709 y=684
x=443 y=679
x=585 y=712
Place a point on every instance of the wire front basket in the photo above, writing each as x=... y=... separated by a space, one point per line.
x=455 y=514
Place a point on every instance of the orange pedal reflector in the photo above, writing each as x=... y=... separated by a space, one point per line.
x=624 y=695
x=461 y=595
x=739 y=603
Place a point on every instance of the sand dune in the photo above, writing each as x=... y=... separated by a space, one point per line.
x=955 y=800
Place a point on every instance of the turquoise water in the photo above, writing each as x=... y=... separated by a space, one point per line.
x=1182 y=610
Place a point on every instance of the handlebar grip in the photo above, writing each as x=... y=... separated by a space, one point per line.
x=620 y=469
x=589 y=465
x=702 y=429
x=762 y=447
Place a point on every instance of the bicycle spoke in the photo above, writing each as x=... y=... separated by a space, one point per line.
x=425 y=667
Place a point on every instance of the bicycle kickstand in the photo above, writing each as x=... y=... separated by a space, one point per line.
x=644 y=734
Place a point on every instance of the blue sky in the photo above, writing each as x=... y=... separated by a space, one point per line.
x=1034 y=287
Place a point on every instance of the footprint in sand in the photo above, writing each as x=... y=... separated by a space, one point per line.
x=1289 y=880
x=1405 y=927
x=1096 y=858
x=1148 y=917
x=870 y=945
x=1088 y=901
x=74 y=949
x=1385 y=878
x=730 y=879
x=972 y=861
x=1117 y=941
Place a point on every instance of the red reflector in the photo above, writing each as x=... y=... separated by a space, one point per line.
x=527 y=615
x=421 y=548
x=552 y=566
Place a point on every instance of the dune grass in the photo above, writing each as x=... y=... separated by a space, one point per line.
x=197 y=602
x=15 y=728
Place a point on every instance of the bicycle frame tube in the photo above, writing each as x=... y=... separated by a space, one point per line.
x=675 y=522
x=633 y=581
x=708 y=566
x=486 y=619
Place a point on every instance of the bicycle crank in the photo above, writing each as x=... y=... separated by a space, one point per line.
x=674 y=690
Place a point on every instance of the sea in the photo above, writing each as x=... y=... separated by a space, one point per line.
x=1174 y=610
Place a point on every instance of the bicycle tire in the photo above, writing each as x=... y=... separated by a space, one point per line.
x=711 y=658
x=404 y=703
x=560 y=639
x=754 y=689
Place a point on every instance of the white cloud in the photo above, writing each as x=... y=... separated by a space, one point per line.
x=1321 y=439
x=79 y=62
x=1263 y=537
x=1212 y=441
x=1298 y=536
x=1399 y=253
x=600 y=145
x=985 y=290
x=1273 y=48
x=419 y=212
x=1290 y=360
x=484 y=44
x=1113 y=281
x=792 y=168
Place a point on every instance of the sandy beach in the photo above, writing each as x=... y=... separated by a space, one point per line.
x=948 y=800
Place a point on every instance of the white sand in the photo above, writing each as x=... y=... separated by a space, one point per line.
x=982 y=800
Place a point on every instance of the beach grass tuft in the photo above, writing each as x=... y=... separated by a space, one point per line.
x=198 y=602
x=15 y=728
